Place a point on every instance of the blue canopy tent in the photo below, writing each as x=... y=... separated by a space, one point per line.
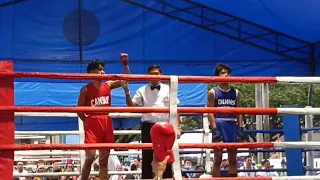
x=185 y=37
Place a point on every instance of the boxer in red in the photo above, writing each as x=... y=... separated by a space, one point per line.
x=98 y=128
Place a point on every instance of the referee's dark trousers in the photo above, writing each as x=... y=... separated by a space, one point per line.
x=147 y=155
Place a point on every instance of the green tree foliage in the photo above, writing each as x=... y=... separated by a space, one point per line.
x=191 y=122
x=279 y=94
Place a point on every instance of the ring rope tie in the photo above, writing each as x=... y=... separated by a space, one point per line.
x=173 y=96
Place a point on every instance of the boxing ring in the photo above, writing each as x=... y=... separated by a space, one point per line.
x=8 y=111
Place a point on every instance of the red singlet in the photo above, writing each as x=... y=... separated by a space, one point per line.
x=98 y=128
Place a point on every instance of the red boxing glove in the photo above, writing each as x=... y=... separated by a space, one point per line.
x=124 y=59
x=163 y=137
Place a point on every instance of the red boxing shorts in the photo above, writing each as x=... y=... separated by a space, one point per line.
x=98 y=129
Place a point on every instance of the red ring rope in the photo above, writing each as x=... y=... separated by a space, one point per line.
x=138 y=110
x=183 y=79
x=11 y=147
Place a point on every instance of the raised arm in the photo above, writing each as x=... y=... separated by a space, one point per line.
x=125 y=62
x=137 y=98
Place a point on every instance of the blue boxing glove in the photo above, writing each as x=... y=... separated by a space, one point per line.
x=216 y=135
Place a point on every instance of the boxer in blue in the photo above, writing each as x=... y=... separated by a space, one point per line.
x=225 y=127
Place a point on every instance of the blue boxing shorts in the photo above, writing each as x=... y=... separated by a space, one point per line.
x=228 y=130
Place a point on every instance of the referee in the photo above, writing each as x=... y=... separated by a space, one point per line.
x=155 y=94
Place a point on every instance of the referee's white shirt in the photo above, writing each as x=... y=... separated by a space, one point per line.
x=145 y=97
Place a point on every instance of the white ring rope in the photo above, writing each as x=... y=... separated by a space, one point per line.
x=19 y=137
x=313 y=144
x=299 y=80
x=299 y=111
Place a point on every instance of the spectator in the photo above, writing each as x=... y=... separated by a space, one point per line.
x=266 y=166
x=198 y=167
x=69 y=168
x=224 y=164
x=284 y=166
x=56 y=167
x=20 y=170
x=136 y=161
x=248 y=166
x=41 y=169
x=187 y=166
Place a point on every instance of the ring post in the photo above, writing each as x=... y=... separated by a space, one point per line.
x=291 y=132
x=173 y=115
x=259 y=124
x=6 y=121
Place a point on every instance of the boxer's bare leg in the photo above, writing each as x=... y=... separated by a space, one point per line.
x=90 y=157
x=103 y=164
